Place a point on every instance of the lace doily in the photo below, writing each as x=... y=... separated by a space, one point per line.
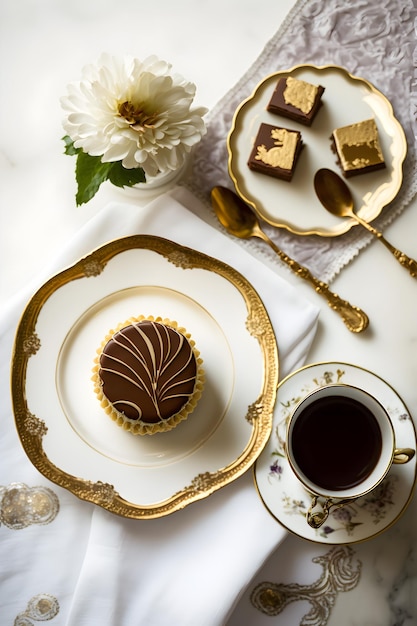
x=373 y=39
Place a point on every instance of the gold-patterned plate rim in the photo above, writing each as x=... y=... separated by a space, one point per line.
x=32 y=429
x=277 y=202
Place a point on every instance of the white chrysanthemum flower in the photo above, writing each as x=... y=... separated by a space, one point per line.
x=135 y=112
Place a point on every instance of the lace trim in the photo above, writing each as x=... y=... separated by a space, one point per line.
x=376 y=38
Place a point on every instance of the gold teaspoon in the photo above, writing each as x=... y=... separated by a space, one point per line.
x=239 y=220
x=336 y=198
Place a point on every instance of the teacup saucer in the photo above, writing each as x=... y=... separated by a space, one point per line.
x=285 y=497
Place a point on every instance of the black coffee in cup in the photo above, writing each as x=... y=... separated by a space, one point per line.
x=336 y=442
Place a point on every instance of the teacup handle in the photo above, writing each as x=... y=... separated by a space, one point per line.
x=403 y=455
x=315 y=519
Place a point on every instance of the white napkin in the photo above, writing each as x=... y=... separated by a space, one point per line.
x=187 y=568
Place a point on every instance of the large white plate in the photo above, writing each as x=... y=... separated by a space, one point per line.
x=293 y=205
x=64 y=430
x=284 y=495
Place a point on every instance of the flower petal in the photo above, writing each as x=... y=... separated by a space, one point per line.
x=164 y=125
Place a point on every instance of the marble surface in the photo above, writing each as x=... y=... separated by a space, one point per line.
x=43 y=46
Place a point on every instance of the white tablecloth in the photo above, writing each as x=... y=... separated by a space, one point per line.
x=92 y=567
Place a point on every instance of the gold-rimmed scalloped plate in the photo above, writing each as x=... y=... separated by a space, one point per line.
x=293 y=205
x=64 y=430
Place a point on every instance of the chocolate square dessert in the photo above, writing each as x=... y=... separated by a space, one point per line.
x=296 y=99
x=275 y=151
x=357 y=148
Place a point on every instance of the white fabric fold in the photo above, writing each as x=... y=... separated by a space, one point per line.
x=184 y=569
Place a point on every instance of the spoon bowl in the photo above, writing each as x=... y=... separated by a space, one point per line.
x=335 y=196
x=233 y=213
x=333 y=193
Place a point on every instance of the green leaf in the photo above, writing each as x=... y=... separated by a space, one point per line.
x=122 y=177
x=69 y=146
x=276 y=453
x=90 y=172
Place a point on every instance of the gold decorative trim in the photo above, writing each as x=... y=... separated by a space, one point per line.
x=202 y=481
x=92 y=267
x=32 y=429
x=179 y=259
x=339 y=575
x=34 y=426
x=31 y=344
x=254 y=412
x=255 y=326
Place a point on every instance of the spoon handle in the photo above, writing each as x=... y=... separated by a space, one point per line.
x=354 y=318
x=406 y=261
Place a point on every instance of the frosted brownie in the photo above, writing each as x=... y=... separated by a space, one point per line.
x=275 y=151
x=296 y=99
x=357 y=148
